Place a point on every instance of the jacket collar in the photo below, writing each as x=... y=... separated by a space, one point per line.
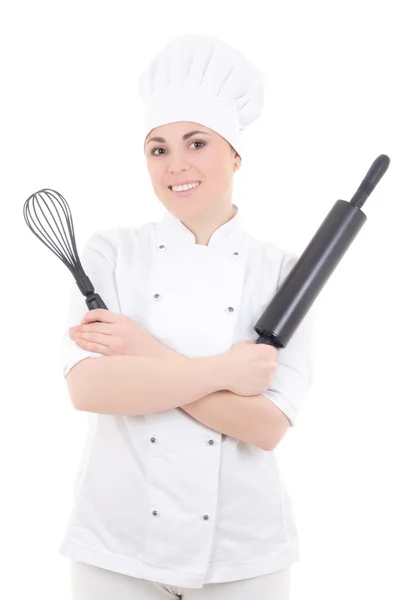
x=227 y=236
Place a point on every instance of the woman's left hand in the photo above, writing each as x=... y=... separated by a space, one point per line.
x=115 y=334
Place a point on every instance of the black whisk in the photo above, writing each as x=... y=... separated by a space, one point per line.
x=61 y=242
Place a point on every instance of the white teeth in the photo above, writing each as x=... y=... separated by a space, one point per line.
x=183 y=188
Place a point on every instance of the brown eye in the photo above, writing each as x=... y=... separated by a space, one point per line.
x=199 y=142
x=153 y=152
x=154 y=149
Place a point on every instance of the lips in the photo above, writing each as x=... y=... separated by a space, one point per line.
x=186 y=183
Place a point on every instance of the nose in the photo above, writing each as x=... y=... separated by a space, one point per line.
x=178 y=164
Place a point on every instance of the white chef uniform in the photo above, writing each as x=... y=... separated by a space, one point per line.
x=161 y=496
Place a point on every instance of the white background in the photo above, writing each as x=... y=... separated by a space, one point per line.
x=71 y=120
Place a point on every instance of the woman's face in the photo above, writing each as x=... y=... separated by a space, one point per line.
x=204 y=156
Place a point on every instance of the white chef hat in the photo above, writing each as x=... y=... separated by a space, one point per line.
x=199 y=78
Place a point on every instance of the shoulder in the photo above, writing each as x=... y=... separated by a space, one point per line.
x=113 y=242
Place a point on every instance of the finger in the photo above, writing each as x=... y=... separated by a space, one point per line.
x=92 y=346
x=103 y=328
x=99 y=314
x=95 y=337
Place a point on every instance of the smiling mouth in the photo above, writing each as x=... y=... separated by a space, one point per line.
x=190 y=189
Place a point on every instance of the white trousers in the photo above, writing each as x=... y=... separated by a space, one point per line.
x=92 y=583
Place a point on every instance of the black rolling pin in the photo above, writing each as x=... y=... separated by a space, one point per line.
x=305 y=280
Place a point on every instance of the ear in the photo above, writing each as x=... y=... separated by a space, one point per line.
x=238 y=161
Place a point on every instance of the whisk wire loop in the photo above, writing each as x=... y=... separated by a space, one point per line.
x=55 y=229
x=61 y=244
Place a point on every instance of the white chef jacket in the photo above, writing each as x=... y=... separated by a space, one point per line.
x=161 y=496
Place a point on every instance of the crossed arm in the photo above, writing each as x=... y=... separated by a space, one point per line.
x=252 y=419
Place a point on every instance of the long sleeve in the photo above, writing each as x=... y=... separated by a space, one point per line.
x=98 y=259
x=292 y=377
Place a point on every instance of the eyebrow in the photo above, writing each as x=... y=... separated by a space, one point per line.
x=184 y=137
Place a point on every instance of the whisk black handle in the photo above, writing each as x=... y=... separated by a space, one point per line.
x=95 y=301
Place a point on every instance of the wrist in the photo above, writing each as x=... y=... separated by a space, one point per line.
x=221 y=371
x=217 y=365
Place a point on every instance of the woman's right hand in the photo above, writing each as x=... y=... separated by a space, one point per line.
x=250 y=367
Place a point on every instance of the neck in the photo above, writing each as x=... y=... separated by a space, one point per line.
x=203 y=228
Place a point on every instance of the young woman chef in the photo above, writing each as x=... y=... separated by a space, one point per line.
x=185 y=499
